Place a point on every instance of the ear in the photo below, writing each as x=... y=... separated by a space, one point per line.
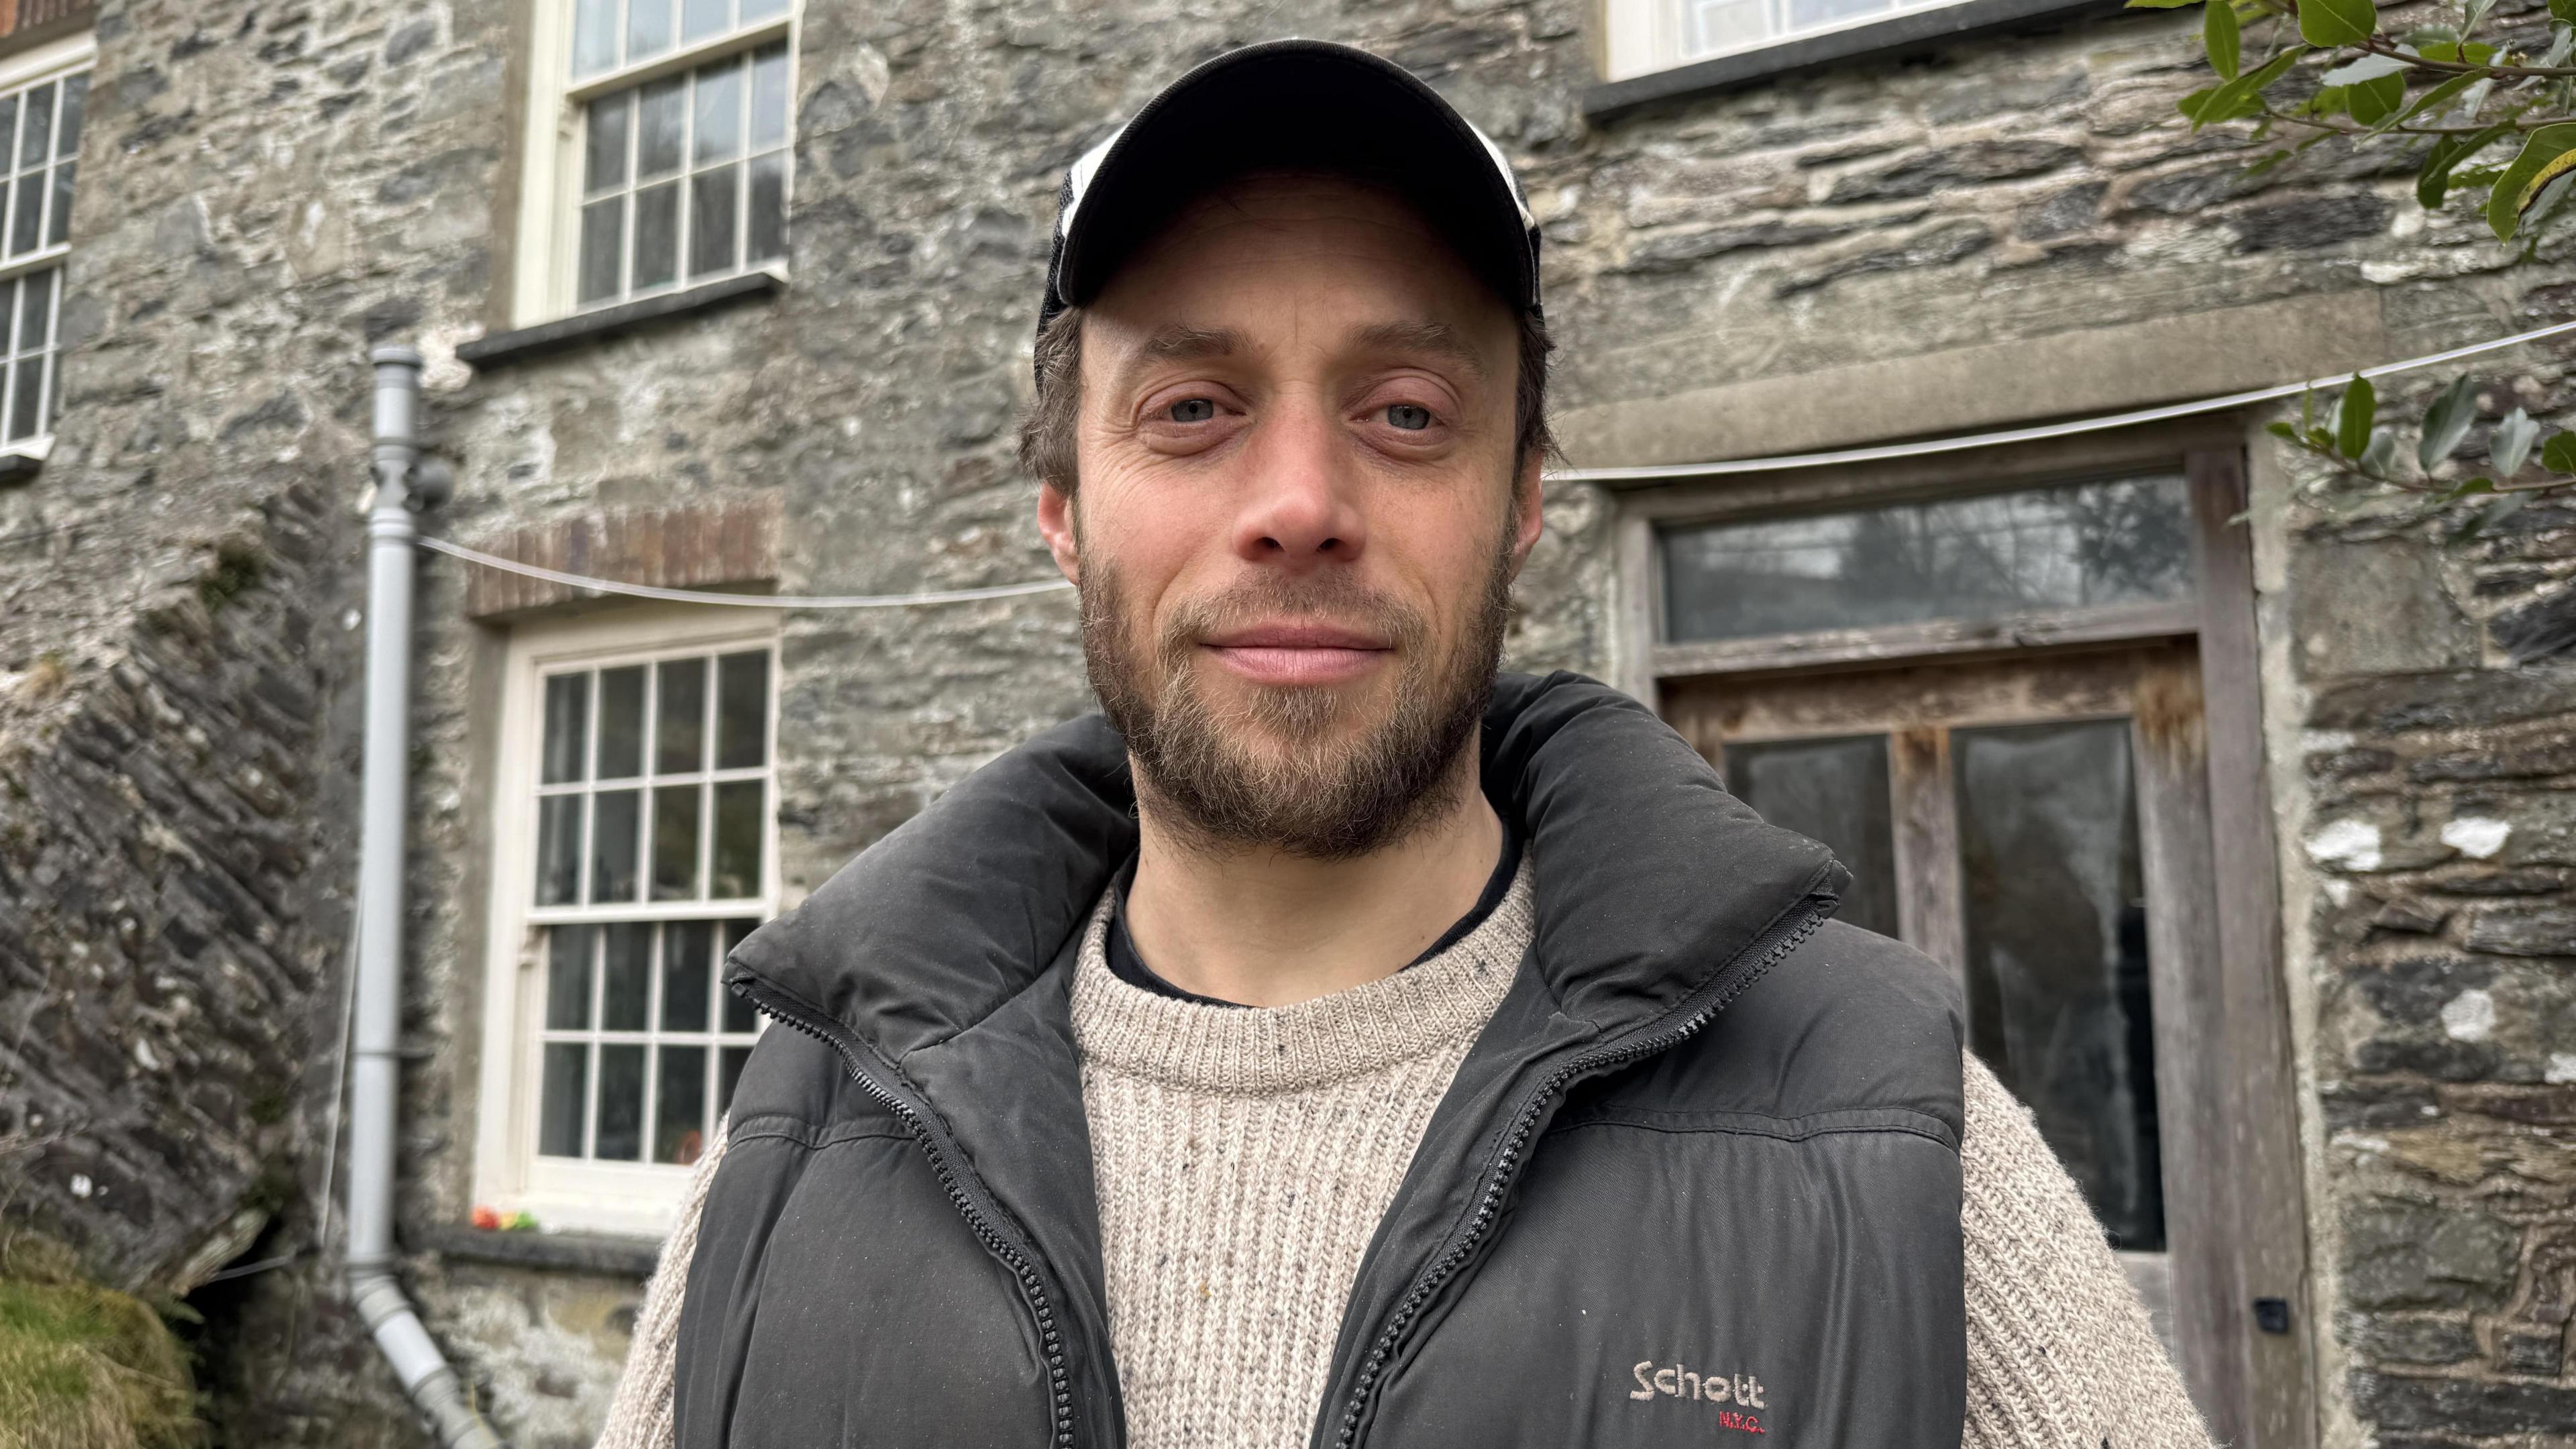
x=1528 y=496
x=1055 y=525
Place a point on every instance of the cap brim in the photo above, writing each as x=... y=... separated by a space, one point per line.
x=1306 y=105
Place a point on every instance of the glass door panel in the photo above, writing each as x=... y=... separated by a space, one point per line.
x=2054 y=906
x=1834 y=791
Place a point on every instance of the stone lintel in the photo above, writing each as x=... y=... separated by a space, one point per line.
x=1995 y=384
x=717 y=544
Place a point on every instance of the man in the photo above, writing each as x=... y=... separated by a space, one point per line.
x=1336 y=1044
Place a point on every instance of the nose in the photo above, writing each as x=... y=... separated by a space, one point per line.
x=1300 y=507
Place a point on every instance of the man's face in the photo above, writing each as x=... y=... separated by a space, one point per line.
x=1299 y=509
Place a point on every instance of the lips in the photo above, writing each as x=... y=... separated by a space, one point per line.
x=1298 y=653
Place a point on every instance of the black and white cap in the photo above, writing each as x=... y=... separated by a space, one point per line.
x=1306 y=104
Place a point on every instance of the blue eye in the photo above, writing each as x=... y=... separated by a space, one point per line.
x=1408 y=417
x=1192 y=410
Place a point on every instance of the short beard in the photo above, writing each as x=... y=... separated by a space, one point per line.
x=1325 y=800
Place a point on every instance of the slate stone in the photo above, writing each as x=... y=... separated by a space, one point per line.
x=2413 y=1340
x=2303 y=222
x=2523 y=931
x=2463 y=1406
x=2412 y=1255
x=1952 y=168
x=2542 y=629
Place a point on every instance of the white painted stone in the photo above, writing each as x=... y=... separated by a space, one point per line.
x=2469 y=1016
x=2476 y=836
x=2561 y=1068
x=2351 y=844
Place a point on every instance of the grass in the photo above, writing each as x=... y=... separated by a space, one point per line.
x=85 y=1367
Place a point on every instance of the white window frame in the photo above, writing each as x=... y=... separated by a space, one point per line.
x=545 y=279
x=636 y=1198
x=1641 y=37
x=50 y=61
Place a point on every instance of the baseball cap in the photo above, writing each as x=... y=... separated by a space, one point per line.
x=1305 y=104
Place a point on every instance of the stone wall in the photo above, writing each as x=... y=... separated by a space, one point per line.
x=269 y=187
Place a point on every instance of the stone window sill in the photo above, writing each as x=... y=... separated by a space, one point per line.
x=604 y=1253
x=1911 y=32
x=19 y=467
x=500 y=349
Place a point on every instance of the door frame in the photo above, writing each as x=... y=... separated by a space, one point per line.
x=2224 y=1076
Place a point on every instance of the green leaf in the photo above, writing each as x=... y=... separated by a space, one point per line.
x=2546 y=189
x=2447 y=421
x=2241 y=96
x=2558 y=455
x=2352 y=417
x=2562 y=11
x=2511 y=442
x=2283 y=431
x=2337 y=22
x=2381 y=455
x=2540 y=148
x=2374 y=101
x=2453 y=51
x=2368 y=67
x=2464 y=490
x=2218 y=31
x=2493 y=514
x=2432 y=101
x=2159 y=4
x=2434 y=180
x=2476 y=12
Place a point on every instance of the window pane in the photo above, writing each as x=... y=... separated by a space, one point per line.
x=603 y=155
x=737 y=844
x=2111 y=542
x=739 y=1015
x=729 y=1064
x=559 y=1100
x=558 y=850
x=648 y=29
x=621 y=1104
x=67 y=128
x=742 y=710
x=717 y=114
x=594 y=36
x=1836 y=792
x=769 y=96
x=1716 y=25
x=2057 y=953
x=36 y=140
x=626 y=975
x=702 y=17
x=8 y=121
x=680 y=1115
x=1810 y=14
x=688 y=972
x=568 y=979
x=665 y=125
x=675 y=843
x=762 y=9
x=767 y=227
x=35 y=310
x=680 y=719
x=27 y=219
x=711 y=220
x=613 y=825
x=26 y=397
x=603 y=230
x=567 y=721
x=58 y=225
x=657 y=235
x=621 y=723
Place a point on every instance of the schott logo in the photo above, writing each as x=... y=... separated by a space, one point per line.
x=1675 y=1381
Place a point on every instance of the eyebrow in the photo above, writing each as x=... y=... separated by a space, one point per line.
x=1175 y=342
x=1437 y=338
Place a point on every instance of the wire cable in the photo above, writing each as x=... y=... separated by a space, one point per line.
x=1654 y=472
x=749 y=601
x=1645 y=473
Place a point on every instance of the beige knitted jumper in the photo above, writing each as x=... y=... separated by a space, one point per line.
x=1243 y=1158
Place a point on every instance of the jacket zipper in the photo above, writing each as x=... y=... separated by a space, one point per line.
x=952 y=1179
x=1766 y=952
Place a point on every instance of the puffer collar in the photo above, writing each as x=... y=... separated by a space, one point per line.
x=1649 y=876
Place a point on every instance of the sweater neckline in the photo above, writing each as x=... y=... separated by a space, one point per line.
x=1441 y=1001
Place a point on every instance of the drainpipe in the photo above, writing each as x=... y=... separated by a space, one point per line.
x=373 y=1289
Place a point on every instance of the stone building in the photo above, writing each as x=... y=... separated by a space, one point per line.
x=2247 y=820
